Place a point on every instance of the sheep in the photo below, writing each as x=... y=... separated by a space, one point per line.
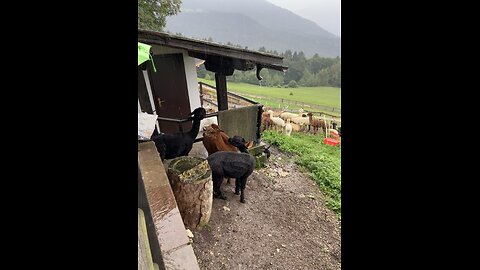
x=230 y=164
x=277 y=121
x=301 y=120
x=297 y=127
x=266 y=123
x=316 y=123
x=286 y=115
x=288 y=128
x=172 y=145
x=273 y=113
x=265 y=112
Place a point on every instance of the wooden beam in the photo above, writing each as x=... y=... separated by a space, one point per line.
x=203 y=49
x=149 y=223
x=221 y=86
x=145 y=261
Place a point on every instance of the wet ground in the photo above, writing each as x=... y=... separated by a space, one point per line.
x=283 y=225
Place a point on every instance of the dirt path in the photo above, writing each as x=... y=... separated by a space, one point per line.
x=284 y=224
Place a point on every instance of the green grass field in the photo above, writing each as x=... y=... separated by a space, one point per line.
x=327 y=96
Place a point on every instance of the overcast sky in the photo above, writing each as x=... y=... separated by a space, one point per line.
x=326 y=13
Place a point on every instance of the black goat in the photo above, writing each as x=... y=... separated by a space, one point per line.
x=230 y=164
x=172 y=145
x=238 y=142
x=233 y=165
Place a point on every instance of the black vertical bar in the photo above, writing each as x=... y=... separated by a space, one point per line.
x=201 y=94
x=221 y=86
x=259 y=123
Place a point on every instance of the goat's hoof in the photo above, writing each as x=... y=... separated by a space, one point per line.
x=242 y=201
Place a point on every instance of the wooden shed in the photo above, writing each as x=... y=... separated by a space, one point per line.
x=174 y=87
x=172 y=92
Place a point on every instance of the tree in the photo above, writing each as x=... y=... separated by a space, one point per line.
x=334 y=75
x=322 y=78
x=292 y=84
x=288 y=54
x=152 y=13
x=315 y=64
x=316 y=71
x=308 y=79
x=294 y=72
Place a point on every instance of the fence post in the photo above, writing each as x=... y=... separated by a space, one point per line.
x=201 y=94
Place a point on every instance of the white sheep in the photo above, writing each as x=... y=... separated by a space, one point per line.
x=277 y=121
x=288 y=128
x=301 y=120
x=286 y=115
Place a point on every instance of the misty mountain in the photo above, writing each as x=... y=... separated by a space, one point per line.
x=253 y=23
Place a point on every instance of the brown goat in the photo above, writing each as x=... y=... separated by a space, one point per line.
x=316 y=123
x=215 y=140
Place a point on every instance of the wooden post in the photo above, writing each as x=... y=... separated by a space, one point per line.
x=192 y=185
x=221 y=86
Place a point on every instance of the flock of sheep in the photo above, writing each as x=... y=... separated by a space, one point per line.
x=286 y=122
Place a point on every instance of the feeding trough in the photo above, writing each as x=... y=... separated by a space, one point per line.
x=330 y=141
x=258 y=152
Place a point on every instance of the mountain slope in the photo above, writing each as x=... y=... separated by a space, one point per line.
x=253 y=23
